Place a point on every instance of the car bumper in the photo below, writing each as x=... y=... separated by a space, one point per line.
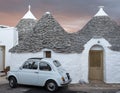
x=66 y=83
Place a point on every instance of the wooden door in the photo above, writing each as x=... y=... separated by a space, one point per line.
x=2 y=58
x=96 y=65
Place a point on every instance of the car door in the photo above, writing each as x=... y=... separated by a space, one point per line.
x=45 y=72
x=28 y=74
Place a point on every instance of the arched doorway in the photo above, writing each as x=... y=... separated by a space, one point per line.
x=96 y=64
x=2 y=58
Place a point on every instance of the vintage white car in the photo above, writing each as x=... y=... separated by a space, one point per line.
x=39 y=72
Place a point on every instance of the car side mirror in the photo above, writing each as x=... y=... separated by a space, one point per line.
x=20 y=68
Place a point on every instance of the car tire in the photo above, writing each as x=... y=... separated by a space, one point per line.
x=51 y=86
x=12 y=82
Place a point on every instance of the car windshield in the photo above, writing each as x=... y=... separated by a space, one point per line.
x=56 y=63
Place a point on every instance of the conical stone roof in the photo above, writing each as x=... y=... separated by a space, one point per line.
x=47 y=33
x=114 y=39
x=25 y=25
x=100 y=27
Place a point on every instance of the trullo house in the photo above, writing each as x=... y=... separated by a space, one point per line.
x=93 y=53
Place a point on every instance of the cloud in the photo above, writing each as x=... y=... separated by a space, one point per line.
x=9 y=19
x=62 y=6
x=67 y=12
x=72 y=24
x=10 y=5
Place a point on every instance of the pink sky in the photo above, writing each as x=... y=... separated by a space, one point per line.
x=71 y=14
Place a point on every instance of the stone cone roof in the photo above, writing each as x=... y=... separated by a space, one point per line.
x=24 y=27
x=47 y=33
x=101 y=27
x=115 y=40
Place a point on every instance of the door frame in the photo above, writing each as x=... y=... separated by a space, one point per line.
x=96 y=48
x=3 y=47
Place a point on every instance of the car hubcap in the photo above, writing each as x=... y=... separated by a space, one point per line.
x=11 y=82
x=51 y=86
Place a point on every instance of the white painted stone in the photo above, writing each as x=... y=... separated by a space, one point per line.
x=8 y=38
x=29 y=14
x=101 y=12
x=47 y=12
x=77 y=64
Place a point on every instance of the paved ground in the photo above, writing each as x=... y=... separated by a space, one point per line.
x=3 y=80
x=76 y=88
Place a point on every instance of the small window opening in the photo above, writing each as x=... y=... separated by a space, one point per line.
x=48 y=54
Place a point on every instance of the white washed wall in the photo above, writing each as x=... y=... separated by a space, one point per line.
x=85 y=55
x=113 y=67
x=8 y=39
x=69 y=61
x=77 y=64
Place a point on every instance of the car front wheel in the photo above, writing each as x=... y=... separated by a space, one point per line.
x=12 y=82
x=51 y=86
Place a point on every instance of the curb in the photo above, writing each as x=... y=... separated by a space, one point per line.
x=93 y=87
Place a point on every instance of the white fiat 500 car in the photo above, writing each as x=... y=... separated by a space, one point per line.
x=40 y=72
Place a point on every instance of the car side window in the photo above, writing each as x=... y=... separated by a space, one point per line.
x=43 y=66
x=30 y=65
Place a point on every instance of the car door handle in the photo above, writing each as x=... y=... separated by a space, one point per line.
x=36 y=72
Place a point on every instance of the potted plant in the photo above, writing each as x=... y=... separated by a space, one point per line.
x=7 y=69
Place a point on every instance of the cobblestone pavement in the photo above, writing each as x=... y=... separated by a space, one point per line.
x=73 y=88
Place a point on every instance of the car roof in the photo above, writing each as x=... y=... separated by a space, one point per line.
x=36 y=58
x=42 y=59
x=48 y=60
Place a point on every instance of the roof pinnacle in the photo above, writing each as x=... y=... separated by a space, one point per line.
x=29 y=14
x=101 y=12
x=47 y=12
x=101 y=7
x=29 y=7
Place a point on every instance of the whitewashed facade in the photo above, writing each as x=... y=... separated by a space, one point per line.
x=78 y=64
x=8 y=38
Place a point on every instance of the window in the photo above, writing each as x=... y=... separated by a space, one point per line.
x=30 y=65
x=47 y=54
x=56 y=63
x=44 y=66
